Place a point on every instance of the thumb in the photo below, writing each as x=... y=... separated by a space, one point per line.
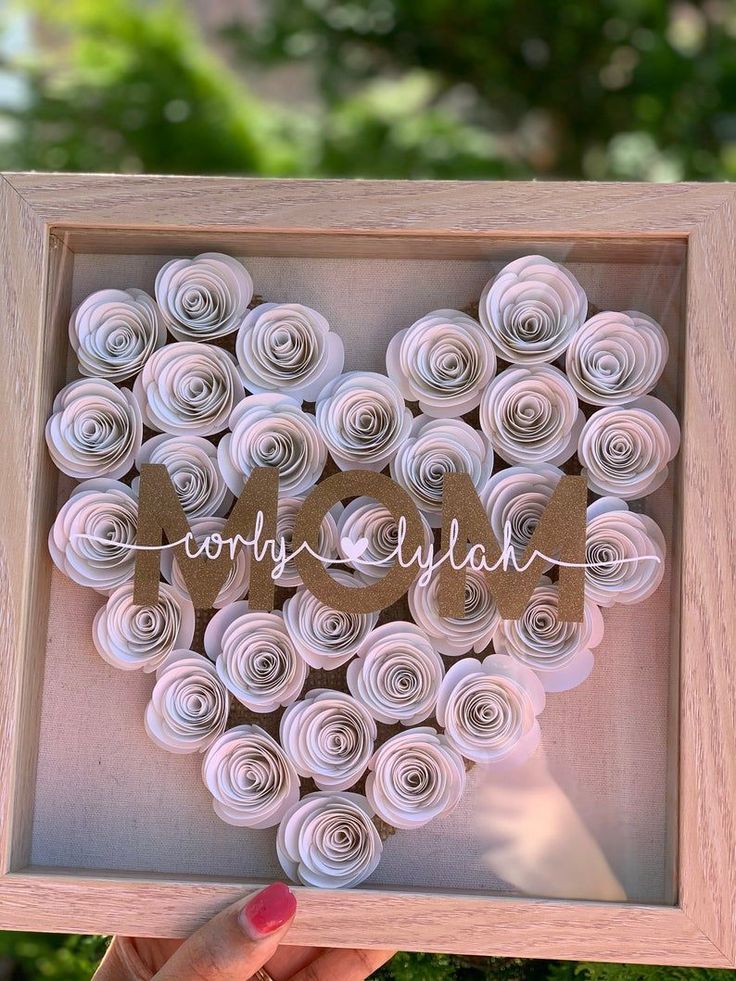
x=236 y=942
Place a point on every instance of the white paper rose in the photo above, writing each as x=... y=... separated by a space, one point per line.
x=327 y=545
x=624 y=450
x=236 y=582
x=624 y=553
x=443 y=361
x=454 y=636
x=95 y=429
x=255 y=657
x=433 y=449
x=532 y=310
x=517 y=498
x=252 y=782
x=326 y=638
x=329 y=840
x=616 y=357
x=531 y=415
x=91 y=540
x=189 y=389
x=114 y=332
x=189 y=704
x=191 y=462
x=559 y=652
x=288 y=348
x=368 y=537
x=272 y=431
x=488 y=710
x=129 y=636
x=328 y=736
x=396 y=674
x=415 y=777
x=363 y=420
x=205 y=297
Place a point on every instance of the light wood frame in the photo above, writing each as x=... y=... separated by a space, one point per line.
x=45 y=218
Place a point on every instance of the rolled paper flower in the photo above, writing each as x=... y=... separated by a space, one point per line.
x=326 y=638
x=531 y=415
x=368 y=538
x=189 y=704
x=255 y=657
x=616 y=357
x=624 y=554
x=558 y=651
x=488 y=710
x=329 y=840
x=363 y=420
x=192 y=465
x=443 y=361
x=238 y=577
x=516 y=499
x=189 y=389
x=114 y=332
x=532 y=310
x=252 y=781
x=95 y=429
x=624 y=451
x=396 y=674
x=433 y=449
x=288 y=348
x=205 y=297
x=93 y=536
x=129 y=636
x=415 y=777
x=328 y=736
x=272 y=431
x=454 y=636
x=286 y=515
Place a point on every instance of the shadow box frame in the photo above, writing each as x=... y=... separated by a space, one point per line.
x=47 y=217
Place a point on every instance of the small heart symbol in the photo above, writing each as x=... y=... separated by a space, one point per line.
x=353 y=550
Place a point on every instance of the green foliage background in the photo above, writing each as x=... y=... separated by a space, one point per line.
x=598 y=89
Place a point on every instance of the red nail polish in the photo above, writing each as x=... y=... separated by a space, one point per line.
x=268 y=910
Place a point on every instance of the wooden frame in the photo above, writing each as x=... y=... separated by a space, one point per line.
x=45 y=218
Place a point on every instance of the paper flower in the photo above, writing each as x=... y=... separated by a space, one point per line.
x=255 y=657
x=129 y=636
x=191 y=462
x=188 y=389
x=624 y=451
x=95 y=429
x=532 y=309
x=531 y=415
x=454 y=636
x=396 y=674
x=91 y=539
x=189 y=704
x=114 y=332
x=326 y=638
x=488 y=710
x=558 y=651
x=205 y=297
x=288 y=348
x=616 y=357
x=517 y=498
x=443 y=361
x=328 y=736
x=368 y=537
x=363 y=420
x=252 y=782
x=236 y=582
x=415 y=777
x=621 y=553
x=286 y=515
x=272 y=431
x=433 y=449
x=329 y=840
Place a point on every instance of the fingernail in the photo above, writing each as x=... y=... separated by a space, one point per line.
x=268 y=910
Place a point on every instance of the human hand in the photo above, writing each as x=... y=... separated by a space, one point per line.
x=235 y=945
